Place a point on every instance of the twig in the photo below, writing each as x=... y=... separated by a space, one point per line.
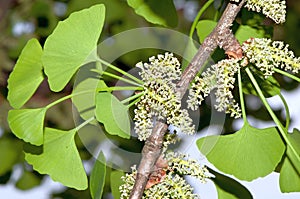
x=220 y=36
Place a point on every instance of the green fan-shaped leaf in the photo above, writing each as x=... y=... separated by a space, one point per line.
x=228 y=188
x=86 y=86
x=290 y=171
x=294 y=139
x=97 y=178
x=60 y=159
x=204 y=28
x=247 y=154
x=113 y=114
x=243 y=33
x=72 y=44
x=27 y=124
x=9 y=153
x=156 y=11
x=27 y=181
x=27 y=74
x=116 y=182
x=289 y=179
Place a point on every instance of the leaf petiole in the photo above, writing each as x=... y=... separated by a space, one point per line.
x=287 y=74
x=85 y=123
x=116 y=77
x=68 y=97
x=282 y=130
x=242 y=101
x=132 y=97
x=287 y=111
x=119 y=88
x=201 y=11
x=120 y=71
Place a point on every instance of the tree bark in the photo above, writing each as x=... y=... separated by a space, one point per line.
x=221 y=36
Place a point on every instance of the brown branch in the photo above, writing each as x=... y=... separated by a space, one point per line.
x=220 y=36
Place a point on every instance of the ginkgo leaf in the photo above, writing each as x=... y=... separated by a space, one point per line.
x=116 y=182
x=60 y=159
x=10 y=150
x=84 y=93
x=289 y=179
x=113 y=114
x=204 y=28
x=64 y=52
x=28 y=180
x=27 y=74
x=156 y=11
x=294 y=139
x=228 y=188
x=247 y=154
x=28 y=124
x=97 y=178
x=243 y=33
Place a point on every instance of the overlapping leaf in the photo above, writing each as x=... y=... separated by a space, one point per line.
x=9 y=153
x=243 y=33
x=113 y=114
x=156 y=11
x=289 y=179
x=97 y=178
x=84 y=92
x=27 y=74
x=28 y=180
x=290 y=171
x=60 y=159
x=63 y=51
x=28 y=124
x=116 y=182
x=204 y=28
x=228 y=188
x=247 y=154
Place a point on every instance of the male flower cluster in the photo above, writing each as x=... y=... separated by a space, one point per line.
x=220 y=77
x=172 y=184
x=267 y=55
x=160 y=101
x=274 y=9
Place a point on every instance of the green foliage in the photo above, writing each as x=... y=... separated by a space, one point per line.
x=244 y=32
x=116 y=182
x=85 y=102
x=247 y=154
x=228 y=188
x=270 y=86
x=97 y=178
x=204 y=28
x=60 y=159
x=9 y=151
x=28 y=180
x=289 y=173
x=28 y=124
x=27 y=74
x=63 y=54
x=109 y=110
x=295 y=141
x=156 y=11
x=289 y=180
